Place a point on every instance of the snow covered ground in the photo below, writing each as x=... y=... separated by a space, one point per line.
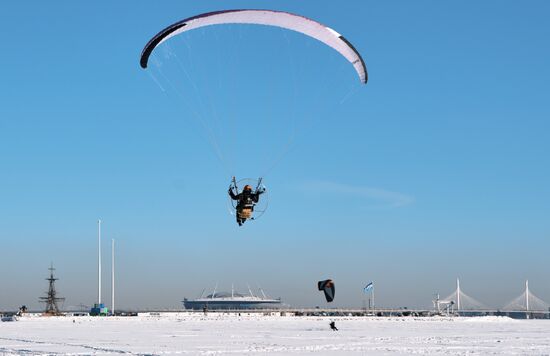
x=215 y=334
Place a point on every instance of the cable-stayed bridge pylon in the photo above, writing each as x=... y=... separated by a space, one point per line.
x=527 y=301
x=463 y=301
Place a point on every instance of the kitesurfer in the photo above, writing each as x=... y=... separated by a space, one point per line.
x=245 y=202
x=333 y=326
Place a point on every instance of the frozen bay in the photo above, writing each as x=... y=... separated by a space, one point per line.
x=219 y=334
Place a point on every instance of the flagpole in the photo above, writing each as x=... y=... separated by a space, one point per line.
x=372 y=296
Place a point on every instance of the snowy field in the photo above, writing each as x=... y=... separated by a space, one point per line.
x=215 y=334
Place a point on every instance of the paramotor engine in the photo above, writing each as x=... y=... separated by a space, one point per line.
x=257 y=184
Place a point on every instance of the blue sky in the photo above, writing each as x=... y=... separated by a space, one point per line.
x=437 y=168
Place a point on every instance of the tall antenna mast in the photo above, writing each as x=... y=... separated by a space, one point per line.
x=113 y=276
x=99 y=261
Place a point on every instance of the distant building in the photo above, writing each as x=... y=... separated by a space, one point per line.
x=232 y=300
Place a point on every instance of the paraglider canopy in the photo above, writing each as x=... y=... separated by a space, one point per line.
x=282 y=19
x=327 y=286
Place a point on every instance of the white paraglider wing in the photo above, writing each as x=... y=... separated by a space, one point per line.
x=281 y=19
